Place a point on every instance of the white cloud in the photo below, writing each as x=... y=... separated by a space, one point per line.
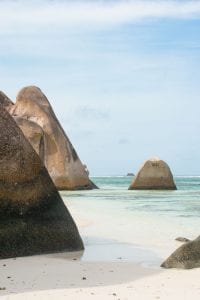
x=20 y=15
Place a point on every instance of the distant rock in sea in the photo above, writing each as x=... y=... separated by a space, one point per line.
x=130 y=174
x=33 y=217
x=185 y=257
x=182 y=239
x=154 y=174
x=34 y=114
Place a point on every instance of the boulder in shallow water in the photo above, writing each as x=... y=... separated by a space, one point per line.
x=154 y=174
x=185 y=257
x=33 y=217
x=51 y=143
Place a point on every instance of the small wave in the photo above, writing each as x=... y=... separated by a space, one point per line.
x=187 y=216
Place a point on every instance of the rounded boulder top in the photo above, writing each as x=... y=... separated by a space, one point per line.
x=154 y=174
x=32 y=93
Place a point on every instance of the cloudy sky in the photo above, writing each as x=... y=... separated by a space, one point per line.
x=122 y=76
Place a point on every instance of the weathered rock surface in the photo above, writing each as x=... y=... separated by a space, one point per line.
x=33 y=217
x=185 y=257
x=35 y=116
x=5 y=101
x=154 y=174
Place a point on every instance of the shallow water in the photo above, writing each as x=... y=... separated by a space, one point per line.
x=183 y=203
x=135 y=223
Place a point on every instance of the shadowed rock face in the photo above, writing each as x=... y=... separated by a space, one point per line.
x=49 y=140
x=185 y=257
x=35 y=134
x=33 y=217
x=155 y=174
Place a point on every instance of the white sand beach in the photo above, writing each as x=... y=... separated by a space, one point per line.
x=121 y=261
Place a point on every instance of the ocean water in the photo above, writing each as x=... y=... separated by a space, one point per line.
x=140 y=226
x=183 y=203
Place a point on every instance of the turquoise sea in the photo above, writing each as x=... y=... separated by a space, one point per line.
x=183 y=203
x=135 y=225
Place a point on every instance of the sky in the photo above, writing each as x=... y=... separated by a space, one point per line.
x=123 y=77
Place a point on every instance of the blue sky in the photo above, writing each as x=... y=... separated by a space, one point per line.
x=122 y=76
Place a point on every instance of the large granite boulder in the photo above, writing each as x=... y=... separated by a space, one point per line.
x=33 y=217
x=36 y=118
x=185 y=257
x=154 y=174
